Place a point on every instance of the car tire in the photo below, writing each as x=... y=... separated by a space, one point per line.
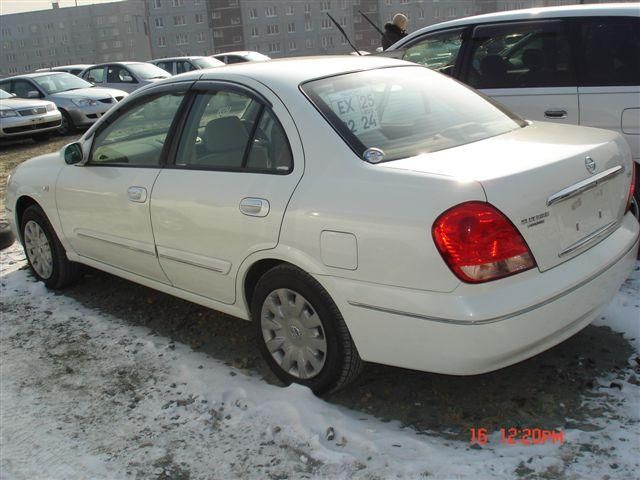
x=45 y=254
x=67 y=127
x=42 y=137
x=6 y=235
x=307 y=341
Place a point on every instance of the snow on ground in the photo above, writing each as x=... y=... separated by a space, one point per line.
x=85 y=395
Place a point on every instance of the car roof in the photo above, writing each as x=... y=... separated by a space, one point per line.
x=114 y=63
x=79 y=65
x=167 y=59
x=291 y=72
x=35 y=74
x=592 y=10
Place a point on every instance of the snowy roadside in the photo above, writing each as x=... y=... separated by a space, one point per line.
x=86 y=395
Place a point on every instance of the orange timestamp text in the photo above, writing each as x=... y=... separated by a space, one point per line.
x=519 y=436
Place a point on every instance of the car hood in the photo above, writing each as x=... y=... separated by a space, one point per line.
x=20 y=103
x=93 y=93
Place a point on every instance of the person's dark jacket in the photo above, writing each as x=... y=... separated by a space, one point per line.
x=392 y=33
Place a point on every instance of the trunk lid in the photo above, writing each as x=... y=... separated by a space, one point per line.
x=540 y=177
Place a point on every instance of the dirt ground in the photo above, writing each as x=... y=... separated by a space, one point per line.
x=543 y=392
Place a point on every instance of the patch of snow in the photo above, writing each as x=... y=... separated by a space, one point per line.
x=85 y=395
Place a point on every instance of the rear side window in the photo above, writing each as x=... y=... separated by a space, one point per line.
x=521 y=55
x=406 y=111
x=231 y=131
x=610 y=52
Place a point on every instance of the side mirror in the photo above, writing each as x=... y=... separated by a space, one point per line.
x=127 y=78
x=12 y=94
x=91 y=80
x=73 y=154
x=33 y=94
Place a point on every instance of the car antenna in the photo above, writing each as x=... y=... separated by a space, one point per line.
x=343 y=33
x=371 y=22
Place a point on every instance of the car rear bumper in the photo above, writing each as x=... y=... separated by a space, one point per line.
x=13 y=127
x=480 y=328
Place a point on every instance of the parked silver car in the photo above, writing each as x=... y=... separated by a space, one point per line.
x=177 y=65
x=127 y=76
x=79 y=102
x=27 y=117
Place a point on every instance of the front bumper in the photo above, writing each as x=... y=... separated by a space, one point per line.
x=481 y=328
x=85 y=116
x=14 y=127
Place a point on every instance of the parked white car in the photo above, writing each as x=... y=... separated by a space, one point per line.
x=355 y=209
x=127 y=76
x=241 y=56
x=575 y=64
x=27 y=117
x=178 y=65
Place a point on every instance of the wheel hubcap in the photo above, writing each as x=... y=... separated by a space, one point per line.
x=293 y=333
x=38 y=249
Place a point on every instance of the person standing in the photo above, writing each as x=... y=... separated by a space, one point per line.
x=394 y=31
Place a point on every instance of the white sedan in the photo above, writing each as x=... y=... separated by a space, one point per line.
x=355 y=209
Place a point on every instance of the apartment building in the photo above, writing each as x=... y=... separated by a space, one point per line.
x=62 y=36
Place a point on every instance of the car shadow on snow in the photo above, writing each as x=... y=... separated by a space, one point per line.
x=542 y=392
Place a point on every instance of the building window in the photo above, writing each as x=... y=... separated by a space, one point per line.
x=199 y=17
x=307 y=8
x=255 y=32
x=253 y=13
x=325 y=23
x=307 y=26
x=291 y=9
x=237 y=39
x=274 y=47
x=308 y=43
x=202 y=37
x=343 y=4
x=159 y=22
x=325 y=6
x=182 y=39
x=273 y=29
x=343 y=21
x=178 y=3
x=117 y=44
x=158 y=4
x=216 y=15
x=21 y=43
x=234 y=21
x=292 y=45
x=436 y=12
x=270 y=12
x=421 y=14
x=388 y=2
x=179 y=20
x=217 y=34
x=291 y=27
x=451 y=12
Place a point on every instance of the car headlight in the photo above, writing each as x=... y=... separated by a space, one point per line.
x=84 y=102
x=8 y=113
x=51 y=107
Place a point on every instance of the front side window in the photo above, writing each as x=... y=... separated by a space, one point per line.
x=406 y=112
x=438 y=51
x=231 y=131
x=95 y=75
x=520 y=55
x=184 y=66
x=137 y=137
x=610 y=52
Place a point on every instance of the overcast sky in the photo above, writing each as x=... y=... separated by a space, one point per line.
x=16 y=6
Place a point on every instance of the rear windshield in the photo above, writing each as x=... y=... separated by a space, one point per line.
x=406 y=111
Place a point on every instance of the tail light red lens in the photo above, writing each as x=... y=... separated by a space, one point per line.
x=480 y=244
x=632 y=187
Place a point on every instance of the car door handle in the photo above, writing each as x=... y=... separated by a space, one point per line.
x=254 y=207
x=137 y=194
x=555 y=114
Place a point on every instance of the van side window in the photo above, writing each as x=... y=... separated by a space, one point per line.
x=610 y=52
x=521 y=55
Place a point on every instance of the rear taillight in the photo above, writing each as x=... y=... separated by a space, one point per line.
x=632 y=187
x=480 y=244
